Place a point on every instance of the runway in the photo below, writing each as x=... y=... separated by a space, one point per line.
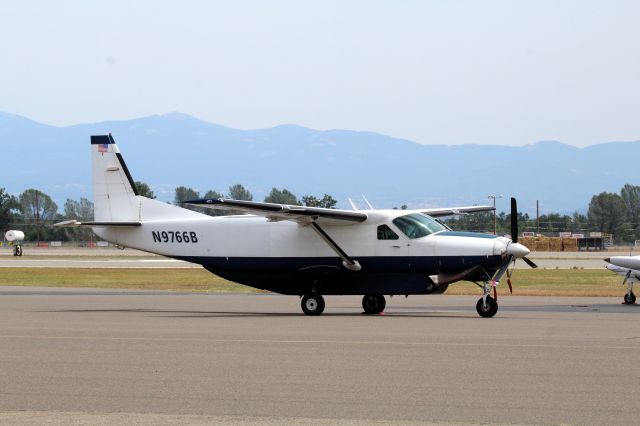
x=127 y=356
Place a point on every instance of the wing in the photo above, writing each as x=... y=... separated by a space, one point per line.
x=450 y=211
x=275 y=212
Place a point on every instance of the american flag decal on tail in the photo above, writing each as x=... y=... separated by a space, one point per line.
x=103 y=147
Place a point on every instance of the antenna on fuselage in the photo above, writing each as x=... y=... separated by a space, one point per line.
x=368 y=203
x=353 y=205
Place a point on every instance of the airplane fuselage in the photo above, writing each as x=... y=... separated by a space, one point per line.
x=290 y=258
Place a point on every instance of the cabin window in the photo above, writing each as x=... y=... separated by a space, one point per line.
x=417 y=225
x=385 y=233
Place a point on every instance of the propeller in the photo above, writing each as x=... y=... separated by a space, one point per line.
x=514 y=233
x=514 y=220
x=514 y=251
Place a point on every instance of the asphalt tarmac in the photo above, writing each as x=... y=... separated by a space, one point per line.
x=114 y=357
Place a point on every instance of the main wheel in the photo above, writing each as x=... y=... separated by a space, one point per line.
x=630 y=298
x=487 y=310
x=373 y=303
x=17 y=251
x=312 y=304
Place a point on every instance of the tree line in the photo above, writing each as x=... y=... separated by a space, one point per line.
x=34 y=212
x=613 y=213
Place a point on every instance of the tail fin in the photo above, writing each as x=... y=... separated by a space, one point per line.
x=115 y=195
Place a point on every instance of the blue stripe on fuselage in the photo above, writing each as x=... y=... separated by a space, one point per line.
x=466 y=234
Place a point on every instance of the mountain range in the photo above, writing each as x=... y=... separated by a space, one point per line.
x=176 y=149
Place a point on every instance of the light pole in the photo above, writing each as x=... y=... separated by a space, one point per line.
x=493 y=197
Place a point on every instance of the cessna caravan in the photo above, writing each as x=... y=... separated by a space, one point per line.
x=304 y=251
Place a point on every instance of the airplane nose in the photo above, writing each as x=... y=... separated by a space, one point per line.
x=517 y=250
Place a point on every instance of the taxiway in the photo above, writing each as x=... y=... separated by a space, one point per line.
x=255 y=357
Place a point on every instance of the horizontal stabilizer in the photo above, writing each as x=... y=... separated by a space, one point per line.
x=76 y=224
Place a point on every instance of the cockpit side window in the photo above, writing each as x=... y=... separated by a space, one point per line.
x=417 y=225
x=386 y=233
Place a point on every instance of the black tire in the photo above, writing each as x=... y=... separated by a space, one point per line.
x=630 y=298
x=373 y=303
x=17 y=251
x=488 y=310
x=312 y=304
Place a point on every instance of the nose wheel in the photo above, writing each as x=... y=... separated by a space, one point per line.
x=487 y=306
x=630 y=298
x=373 y=303
x=312 y=304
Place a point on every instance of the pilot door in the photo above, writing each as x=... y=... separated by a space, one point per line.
x=390 y=242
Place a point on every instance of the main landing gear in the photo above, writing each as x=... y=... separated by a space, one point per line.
x=373 y=303
x=313 y=303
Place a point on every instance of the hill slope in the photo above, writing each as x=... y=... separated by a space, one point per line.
x=176 y=149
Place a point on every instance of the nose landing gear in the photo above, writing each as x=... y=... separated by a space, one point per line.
x=487 y=306
x=629 y=298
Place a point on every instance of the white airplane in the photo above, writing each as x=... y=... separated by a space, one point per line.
x=629 y=268
x=303 y=251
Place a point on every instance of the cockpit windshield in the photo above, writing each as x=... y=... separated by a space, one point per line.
x=418 y=225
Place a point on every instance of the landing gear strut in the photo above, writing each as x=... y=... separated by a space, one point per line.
x=487 y=306
x=312 y=304
x=373 y=303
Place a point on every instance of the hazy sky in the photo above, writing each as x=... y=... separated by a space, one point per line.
x=500 y=72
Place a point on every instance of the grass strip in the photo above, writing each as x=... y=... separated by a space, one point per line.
x=532 y=282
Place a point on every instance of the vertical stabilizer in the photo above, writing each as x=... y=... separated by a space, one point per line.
x=115 y=196
x=114 y=191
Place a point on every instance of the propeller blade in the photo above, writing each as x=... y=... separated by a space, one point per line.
x=529 y=262
x=514 y=220
x=509 y=281
x=626 y=277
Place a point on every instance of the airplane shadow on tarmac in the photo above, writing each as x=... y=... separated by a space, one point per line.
x=238 y=314
x=409 y=312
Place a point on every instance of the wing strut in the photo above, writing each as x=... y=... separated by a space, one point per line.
x=348 y=263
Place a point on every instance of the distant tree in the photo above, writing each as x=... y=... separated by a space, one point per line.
x=281 y=197
x=184 y=193
x=477 y=222
x=213 y=194
x=8 y=210
x=144 y=190
x=608 y=213
x=37 y=210
x=82 y=211
x=402 y=207
x=327 y=201
x=631 y=196
x=239 y=192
